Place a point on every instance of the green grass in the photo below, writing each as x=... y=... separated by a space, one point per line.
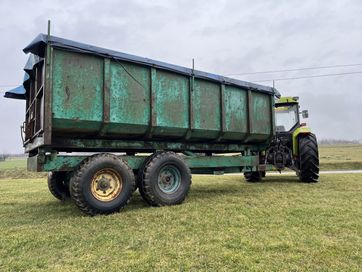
x=341 y=157
x=13 y=163
x=16 y=168
x=225 y=225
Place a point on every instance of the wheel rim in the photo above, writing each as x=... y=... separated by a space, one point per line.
x=106 y=185
x=169 y=179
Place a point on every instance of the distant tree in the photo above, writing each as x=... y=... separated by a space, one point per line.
x=3 y=157
x=338 y=141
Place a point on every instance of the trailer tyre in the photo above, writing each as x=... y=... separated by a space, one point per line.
x=58 y=184
x=139 y=181
x=166 y=180
x=102 y=184
x=308 y=159
x=254 y=176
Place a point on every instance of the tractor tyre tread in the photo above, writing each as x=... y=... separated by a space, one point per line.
x=309 y=160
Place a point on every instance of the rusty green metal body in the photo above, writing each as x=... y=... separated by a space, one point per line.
x=105 y=98
x=82 y=98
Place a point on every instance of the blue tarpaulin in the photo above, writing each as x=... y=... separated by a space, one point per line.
x=20 y=91
x=16 y=93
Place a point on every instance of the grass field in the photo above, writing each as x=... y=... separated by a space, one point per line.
x=13 y=163
x=225 y=225
x=16 y=168
x=341 y=157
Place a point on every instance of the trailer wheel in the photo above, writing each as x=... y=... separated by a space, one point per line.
x=139 y=180
x=308 y=159
x=58 y=184
x=166 y=180
x=102 y=184
x=254 y=176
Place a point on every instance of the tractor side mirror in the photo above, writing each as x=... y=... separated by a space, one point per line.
x=305 y=114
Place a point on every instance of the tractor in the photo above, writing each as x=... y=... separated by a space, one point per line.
x=294 y=146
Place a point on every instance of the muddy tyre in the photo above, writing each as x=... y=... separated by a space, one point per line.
x=102 y=184
x=308 y=159
x=166 y=179
x=58 y=184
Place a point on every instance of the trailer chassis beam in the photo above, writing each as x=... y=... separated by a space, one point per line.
x=198 y=164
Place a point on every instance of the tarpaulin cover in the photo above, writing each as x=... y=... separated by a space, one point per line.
x=20 y=91
x=16 y=93
x=38 y=46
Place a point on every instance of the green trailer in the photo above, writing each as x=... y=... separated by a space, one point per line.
x=104 y=123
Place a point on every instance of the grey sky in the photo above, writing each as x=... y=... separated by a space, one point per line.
x=223 y=36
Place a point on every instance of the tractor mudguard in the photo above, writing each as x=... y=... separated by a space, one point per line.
x=296 y=133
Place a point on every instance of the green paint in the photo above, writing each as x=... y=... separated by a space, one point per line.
x=236 y=113
x=261 y=119
x=77 y=91
x=169 y=179
x=101 y=104
x=171 y=104
x=221 y=161
x=214 y=163
x=151 y=146
x=206 y=102
x=130 y=98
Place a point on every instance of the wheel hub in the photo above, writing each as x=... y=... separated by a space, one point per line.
x=169 y=179
x=106 y=185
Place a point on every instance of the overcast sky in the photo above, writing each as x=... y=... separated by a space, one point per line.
x=224 y=37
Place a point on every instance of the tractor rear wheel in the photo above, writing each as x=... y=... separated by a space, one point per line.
x=102 y=184
x=254 y=176
x=308 y=159
x=166 y=179
x=58 y=184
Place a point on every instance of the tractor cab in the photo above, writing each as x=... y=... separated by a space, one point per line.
x=287 y=121
x=286 y=114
